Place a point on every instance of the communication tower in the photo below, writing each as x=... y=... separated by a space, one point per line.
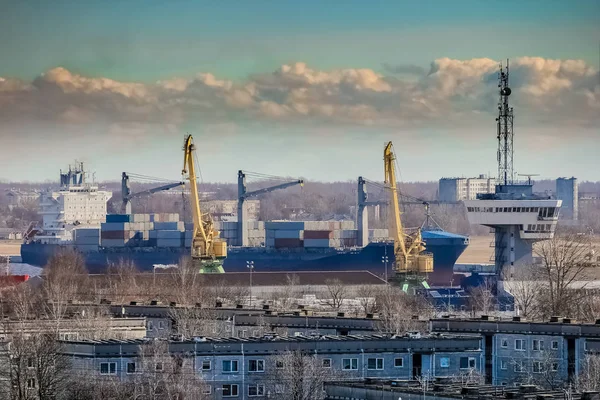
x=505 y=130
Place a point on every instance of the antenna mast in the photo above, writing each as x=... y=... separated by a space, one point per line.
x=505 y=130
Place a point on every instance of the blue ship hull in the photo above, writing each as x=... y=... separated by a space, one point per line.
x=446 y=248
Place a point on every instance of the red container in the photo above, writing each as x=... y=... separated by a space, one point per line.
x=288 y=243
x=115 y=234
x=318 y=235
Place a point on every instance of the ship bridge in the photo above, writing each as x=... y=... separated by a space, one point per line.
x=519 y=219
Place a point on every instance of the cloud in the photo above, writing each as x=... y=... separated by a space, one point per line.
x=408 y=69
x=453 y=93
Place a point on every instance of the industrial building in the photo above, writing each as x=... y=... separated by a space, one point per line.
x=245 y=368
x=567 y=190
x=451 y=190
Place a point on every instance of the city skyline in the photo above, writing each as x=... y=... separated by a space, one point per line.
x=307 y=90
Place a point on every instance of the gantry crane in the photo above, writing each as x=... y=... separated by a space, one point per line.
x=243 y=194
x=126 y=194
x=208 y=250
x=409 y=250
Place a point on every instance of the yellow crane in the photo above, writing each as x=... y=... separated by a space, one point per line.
x=409 y=250
x=208 y=250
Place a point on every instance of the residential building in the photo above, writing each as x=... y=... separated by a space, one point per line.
x=458 y=189
x=245 y=368
x=567 y=190
x=518 y=351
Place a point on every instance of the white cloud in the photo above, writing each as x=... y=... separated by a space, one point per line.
x=453 y=93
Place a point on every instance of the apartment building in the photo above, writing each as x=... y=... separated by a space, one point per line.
x=517 y=351
x=459 y=189
x=248 y=368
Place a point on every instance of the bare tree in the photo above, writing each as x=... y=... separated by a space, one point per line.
x=366 y=296
x=336 y=292
x=482 y=299
x=526 y=287
x=397 y=310
x=300 y=376
x=122 y=283
x=196 y=321
x=563 y=263
x=589 y=375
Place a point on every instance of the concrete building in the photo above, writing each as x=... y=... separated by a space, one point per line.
x=518 y=351
x=567 y=190
x=246 y=368
x=458 y=189
x=519 y=219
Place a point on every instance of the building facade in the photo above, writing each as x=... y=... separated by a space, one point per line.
x=520 y=352
x=567 y=190
x=255 y=367
x=458 y=189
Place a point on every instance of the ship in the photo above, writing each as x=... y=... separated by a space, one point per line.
x=75 y=218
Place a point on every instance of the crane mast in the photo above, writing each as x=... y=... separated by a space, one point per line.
x=411 y=260
x=208 y=250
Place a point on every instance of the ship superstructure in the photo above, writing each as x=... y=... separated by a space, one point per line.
x=77 y=203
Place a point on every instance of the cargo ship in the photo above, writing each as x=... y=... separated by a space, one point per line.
x=75 y=217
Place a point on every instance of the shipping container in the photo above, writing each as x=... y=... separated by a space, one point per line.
x=352 y=242
x=288 y=243
x=86 y=232
x=114 y=226
x=270 y=242
x=317 y=243
x=169 y=226
x=118 y=218
x=287 y=225
x=169 y=234
x=113 y=243
x=168 y=242
x=318 y=234
x=316 y=226
x=122 y=235
x=288 y=234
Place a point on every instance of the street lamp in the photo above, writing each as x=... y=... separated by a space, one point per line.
x=250 y=265
x=384 y=260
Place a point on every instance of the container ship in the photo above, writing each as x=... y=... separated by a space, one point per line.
x=75 y=217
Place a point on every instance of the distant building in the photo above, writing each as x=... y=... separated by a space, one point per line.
x=567 y=191
x=459 y=189
x=18 y=197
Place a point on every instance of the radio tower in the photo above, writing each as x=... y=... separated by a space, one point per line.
x=505 y=130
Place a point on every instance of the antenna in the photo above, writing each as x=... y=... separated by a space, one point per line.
x=505 y=130
x=529 y=177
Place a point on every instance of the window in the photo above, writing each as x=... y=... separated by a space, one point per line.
x=445 y=362
x=230 y=366
x=467 y=362
x=375 y=363
x=279 y=364
x=161 y=324
x=256 y=365
x=504 y=343
x=206 y=365
x=349 y=364
x=554 y=367
x=31 y=383
x=256 y=390
x=555 y=345
x=255 y=332
x=503 y=364
x=131 y=368
x=279 y=388
x=519 y=367
x=30 y=363
x=206 y=389
x=537 y=345
x=107 y=368
x=537 y=367
x=399 y=362
x=520 y=344
x=230 y=390
x=159 y=366
x=327 y=363
x=150 y=325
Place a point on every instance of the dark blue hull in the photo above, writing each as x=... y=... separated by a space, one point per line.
x=446 y=249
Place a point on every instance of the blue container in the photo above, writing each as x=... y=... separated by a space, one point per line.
x=118 y=218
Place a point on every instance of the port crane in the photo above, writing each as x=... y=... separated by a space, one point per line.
x=126 y=194
x=208 y=250
x=243 y=194
x=411 y=261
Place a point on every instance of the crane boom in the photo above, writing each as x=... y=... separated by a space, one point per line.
x=408 y=249
x=208 y=250
x=126 y=194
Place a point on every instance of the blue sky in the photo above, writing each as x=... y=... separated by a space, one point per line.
x=237 y=41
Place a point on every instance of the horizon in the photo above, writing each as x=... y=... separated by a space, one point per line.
x=316 y=95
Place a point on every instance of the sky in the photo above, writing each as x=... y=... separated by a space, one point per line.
x=307 y=89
